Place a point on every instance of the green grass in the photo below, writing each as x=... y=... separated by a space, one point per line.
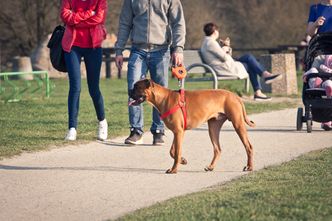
x=297 y=190
x=37 y=124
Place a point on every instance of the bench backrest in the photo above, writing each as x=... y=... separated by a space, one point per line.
x=192 y=57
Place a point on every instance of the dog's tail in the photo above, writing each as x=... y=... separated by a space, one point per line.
x=246 y=119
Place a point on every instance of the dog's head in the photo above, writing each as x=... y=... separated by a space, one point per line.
x=140 y=92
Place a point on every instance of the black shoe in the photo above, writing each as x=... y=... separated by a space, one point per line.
x=135 y=137
x=158 y=139
x=269 y=80
x=326 y=127
x=260 y=98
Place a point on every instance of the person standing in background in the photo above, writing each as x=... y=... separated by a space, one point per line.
x=157 y=28
x=85 y=31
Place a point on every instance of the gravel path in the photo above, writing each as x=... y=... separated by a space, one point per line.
x=98 y=181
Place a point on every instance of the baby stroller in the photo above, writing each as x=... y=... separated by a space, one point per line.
x=316 y=106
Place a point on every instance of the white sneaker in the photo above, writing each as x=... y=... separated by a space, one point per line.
x=71 y=134
x=102 y=130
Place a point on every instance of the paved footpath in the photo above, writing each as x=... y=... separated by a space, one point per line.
x=98 y=181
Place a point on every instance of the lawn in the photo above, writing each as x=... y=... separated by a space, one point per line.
x=37 y=124
x=297 y=190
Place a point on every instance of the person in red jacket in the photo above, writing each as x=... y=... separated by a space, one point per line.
x=85 y=31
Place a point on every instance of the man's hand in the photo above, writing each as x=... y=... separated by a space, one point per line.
x=304 y=78
x=119 y=61
x=177 y=59
x=320 y=21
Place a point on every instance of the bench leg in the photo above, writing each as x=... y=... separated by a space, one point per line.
x=215 y=83
x=246 y=84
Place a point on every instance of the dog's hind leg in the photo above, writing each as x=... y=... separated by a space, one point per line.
x=214 y=132
x=241 y=130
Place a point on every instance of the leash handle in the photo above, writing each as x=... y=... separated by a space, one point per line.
x=180 y=73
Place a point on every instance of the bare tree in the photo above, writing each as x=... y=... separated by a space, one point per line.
x=249 y=23
x=24 y=23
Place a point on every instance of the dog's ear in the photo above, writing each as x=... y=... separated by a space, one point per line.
x=147 y=83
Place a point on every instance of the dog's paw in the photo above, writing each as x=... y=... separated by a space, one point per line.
x=208 y=169
x=184 y=161
x=247 y=168
x=171 y=171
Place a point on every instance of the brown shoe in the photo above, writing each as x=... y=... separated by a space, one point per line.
x=135 y=137
x=158 y=139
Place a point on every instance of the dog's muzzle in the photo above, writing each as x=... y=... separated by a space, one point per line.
x=135 y=100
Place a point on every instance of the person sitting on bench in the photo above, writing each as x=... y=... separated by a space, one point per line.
x=219 y=57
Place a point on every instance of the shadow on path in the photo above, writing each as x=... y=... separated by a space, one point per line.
x=267 y=130
x=103 y=168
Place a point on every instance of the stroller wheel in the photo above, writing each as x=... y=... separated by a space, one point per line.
x=309 y=125
x=308 y=118
x=299 y=119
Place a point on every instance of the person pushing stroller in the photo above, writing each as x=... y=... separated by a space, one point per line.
x=320 y=21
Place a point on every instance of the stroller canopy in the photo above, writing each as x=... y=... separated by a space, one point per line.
x=320 y=44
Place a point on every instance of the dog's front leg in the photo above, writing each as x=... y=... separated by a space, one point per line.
x=172 y=153
x=176 y=151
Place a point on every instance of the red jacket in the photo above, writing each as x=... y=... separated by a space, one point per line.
x=83 y=19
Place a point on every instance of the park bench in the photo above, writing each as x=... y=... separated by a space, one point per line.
x=108 y=58
x=17 y=88
x=198 y=70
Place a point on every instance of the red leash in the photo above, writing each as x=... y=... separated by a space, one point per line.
x=181 y=104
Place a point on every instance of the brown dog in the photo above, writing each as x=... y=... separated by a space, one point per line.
x=213 y=106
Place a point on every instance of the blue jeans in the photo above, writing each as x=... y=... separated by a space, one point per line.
x=140 y=62
x=92 y=59
x=254 y=68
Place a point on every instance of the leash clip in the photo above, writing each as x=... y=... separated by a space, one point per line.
x=182 y=103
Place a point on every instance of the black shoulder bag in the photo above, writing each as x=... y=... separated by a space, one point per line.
x=56 y=52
